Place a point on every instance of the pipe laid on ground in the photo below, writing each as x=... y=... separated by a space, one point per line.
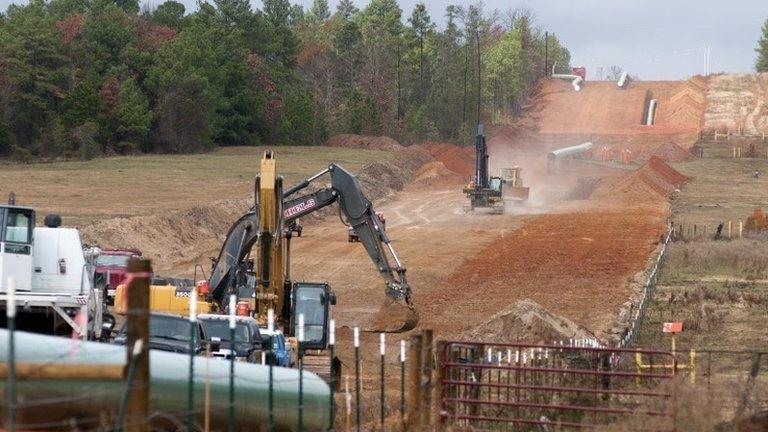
x=623 y=80
x=569 y=151
x=651 y=112
x=575 y=80
x=91 y=401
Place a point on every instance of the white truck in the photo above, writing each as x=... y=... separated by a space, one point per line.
x=53 y=275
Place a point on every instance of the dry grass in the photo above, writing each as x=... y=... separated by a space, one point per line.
x=721 y=190
x=740 y=258
x=151 y=184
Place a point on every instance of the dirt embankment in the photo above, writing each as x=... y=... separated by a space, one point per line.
x=363 y=142
x=655 y=177
x=175 y=240
x=737 y=102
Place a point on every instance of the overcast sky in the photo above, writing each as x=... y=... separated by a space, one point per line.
x=653 y=39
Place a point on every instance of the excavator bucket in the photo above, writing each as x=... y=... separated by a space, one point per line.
x=394 y=316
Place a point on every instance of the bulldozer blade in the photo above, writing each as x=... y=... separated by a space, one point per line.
x=517 y=193
x=394 y=316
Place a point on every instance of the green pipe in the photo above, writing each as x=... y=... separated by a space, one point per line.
x=53 y=403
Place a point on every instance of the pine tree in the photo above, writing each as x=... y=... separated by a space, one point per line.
x=319 y=11
x=762 y=50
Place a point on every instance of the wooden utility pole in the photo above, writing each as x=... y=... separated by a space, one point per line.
x=414 y=384
x=138 y=329
x=426 y=376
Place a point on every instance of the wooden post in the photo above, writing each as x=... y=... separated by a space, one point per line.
x=440 y=361
x=741 y=229
x=730 y=229
x=414 y=384
x=138 y=328
x=427 y=363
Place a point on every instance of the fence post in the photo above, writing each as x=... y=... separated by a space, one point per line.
x=741 y=229
x=331 y=353
x=402 y=383
x=414 y=383
x=382 y=352
x=137 y=329
x=440 y=369
x=10 y=314
x=357 y=377
x=427 y=368
x=191 y=383
x=232 y=325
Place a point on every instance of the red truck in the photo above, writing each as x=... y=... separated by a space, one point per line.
x=111 y=269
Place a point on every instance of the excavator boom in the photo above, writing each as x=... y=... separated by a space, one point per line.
x=398 y=313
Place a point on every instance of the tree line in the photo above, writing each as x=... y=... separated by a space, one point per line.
x=84 y=78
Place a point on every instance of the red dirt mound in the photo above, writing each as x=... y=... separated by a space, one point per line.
x=363 y=142
x=434 y=173
x=655 y=177
x=457 y=159
x=671 y=152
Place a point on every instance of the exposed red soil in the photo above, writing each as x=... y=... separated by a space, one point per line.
x=460 y=160
x=576 y=265
x=671 y=152
x=655 y=177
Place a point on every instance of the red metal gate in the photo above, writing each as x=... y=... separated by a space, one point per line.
x=554 y=387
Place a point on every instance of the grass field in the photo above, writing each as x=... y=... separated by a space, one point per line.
x=719 y=291
x=85 y=191
x=721 y=190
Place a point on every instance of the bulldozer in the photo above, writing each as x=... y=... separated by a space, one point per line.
x=254 y=261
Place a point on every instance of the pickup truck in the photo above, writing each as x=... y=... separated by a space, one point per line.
x=281 y=351
x=249 y=343
x=168 y=332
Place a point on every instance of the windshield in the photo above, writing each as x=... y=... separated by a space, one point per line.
x=113 y=260
x=169 y=327
x=220 y=328
x=18 y=226
x=309 y=301
x=495 y=183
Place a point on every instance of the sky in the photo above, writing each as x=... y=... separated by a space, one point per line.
x=651 y=39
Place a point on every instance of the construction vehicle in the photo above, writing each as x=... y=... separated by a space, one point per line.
x=53 y=275
x=254 y=261
x=513 y=189
x=112 y=269
x=484 y=191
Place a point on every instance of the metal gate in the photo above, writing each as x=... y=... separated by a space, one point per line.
x=555 y=387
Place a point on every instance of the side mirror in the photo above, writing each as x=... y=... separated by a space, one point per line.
x=266 y=343
x=215 y=344
x=332 y=298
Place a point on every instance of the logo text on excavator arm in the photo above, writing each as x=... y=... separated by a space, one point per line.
x=300 y=207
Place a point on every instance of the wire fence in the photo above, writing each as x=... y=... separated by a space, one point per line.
x=638 y=314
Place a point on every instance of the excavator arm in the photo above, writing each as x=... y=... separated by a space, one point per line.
x=240 y=239
x=358 y=211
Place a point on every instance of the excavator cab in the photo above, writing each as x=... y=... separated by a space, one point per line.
x=495 y=184
x=314 y=301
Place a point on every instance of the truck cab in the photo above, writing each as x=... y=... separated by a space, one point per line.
x=52 y=276
x=112 y=268
x=17 y=225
